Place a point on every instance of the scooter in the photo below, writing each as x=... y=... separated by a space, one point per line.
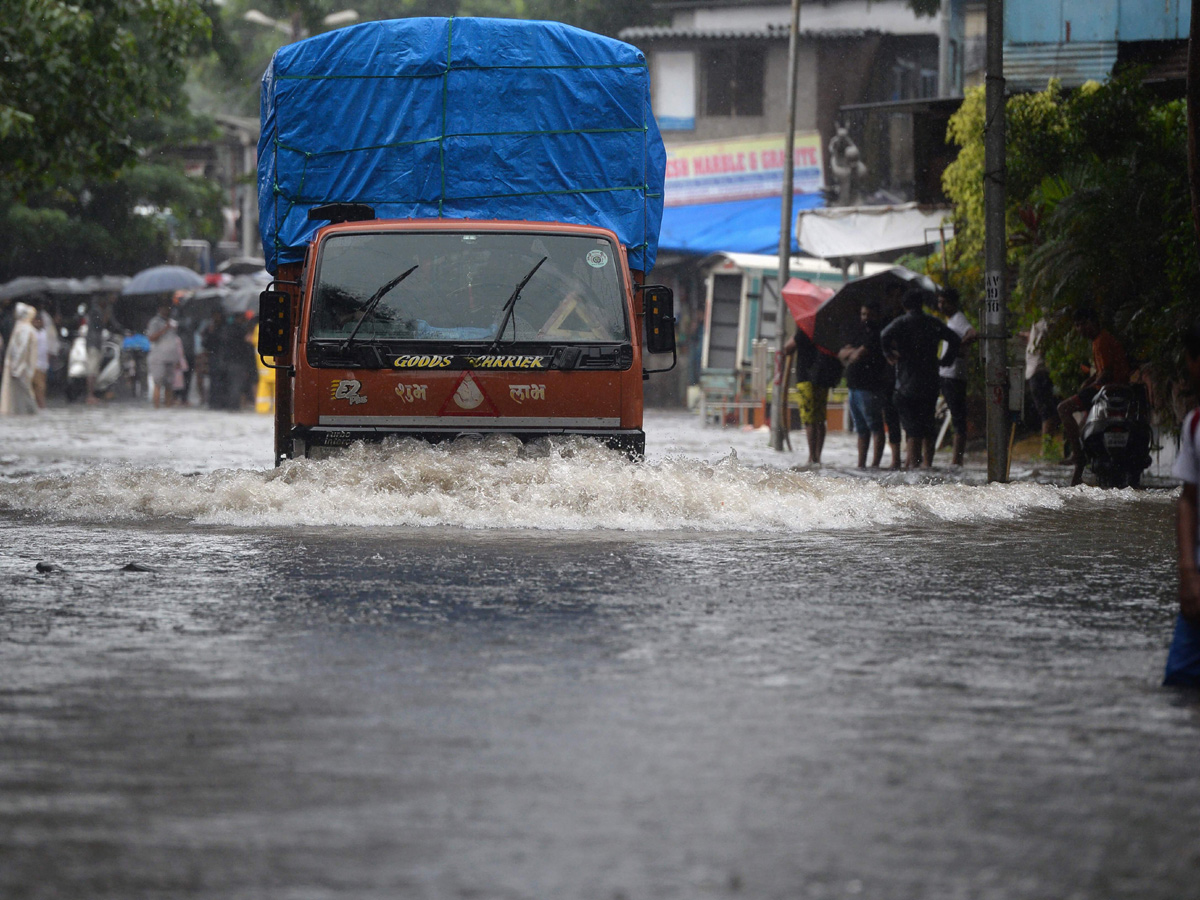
x=111 y=368
x=1117 y=435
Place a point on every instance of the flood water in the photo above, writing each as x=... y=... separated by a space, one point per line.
x=490 y=672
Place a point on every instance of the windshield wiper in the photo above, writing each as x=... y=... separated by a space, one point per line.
x=511 y=303
x=372 y=303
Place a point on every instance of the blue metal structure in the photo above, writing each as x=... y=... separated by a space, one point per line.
x=1077 y=40
x=1087 y=21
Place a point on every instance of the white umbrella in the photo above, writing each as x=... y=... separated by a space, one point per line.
x=163 y=280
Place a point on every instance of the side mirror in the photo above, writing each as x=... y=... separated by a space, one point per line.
x=659 y=303
x=274 y=323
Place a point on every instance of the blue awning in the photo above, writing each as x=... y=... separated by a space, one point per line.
x=734 y=226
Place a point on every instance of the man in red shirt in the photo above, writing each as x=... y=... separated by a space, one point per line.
x=1109 y=366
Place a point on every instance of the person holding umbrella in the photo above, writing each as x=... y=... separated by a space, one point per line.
x=816 y=372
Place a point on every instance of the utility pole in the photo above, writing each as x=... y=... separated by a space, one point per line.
x=995 y=327
x=1193 y=113
x=779 y=391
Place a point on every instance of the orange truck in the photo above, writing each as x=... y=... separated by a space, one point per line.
x=458 y=214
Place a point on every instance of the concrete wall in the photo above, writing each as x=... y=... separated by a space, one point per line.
x=774 y=118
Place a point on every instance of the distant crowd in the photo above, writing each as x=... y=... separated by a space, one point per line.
x=185 y=354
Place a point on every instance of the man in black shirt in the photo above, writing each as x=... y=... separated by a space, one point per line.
x=816 y=372
x=866 y=378
x=911 y=342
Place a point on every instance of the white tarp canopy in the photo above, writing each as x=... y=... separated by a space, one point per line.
x=858 y=231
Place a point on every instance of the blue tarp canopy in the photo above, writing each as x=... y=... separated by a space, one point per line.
x=734 y=226
x=460 y=118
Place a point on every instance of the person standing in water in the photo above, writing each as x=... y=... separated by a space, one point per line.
x=912 y=342
x=1183 y=659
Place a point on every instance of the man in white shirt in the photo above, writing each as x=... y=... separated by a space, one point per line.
x=1037 y=381
x=954 y=376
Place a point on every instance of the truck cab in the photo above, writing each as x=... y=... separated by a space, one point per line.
x=439 y=329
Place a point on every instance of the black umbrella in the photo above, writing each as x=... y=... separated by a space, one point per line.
x=885 y=288
x=29 y=285
x=242 y=265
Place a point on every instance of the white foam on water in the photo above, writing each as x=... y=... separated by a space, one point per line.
x=497 y=483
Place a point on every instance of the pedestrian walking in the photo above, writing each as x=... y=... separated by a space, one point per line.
x=912 y=342
x=891 y=310
x=953 y=378
x=166 y=355
x=804 y=352
x=42 y=367
x=1037 y=380
x=20 y=363
x=98 y=316
x=55 y=347
x=816 y=372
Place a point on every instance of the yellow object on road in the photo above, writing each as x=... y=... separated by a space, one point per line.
x=265 y=399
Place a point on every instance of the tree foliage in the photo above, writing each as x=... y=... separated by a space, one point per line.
x=74 y=77
x=228 y=79
x=925 y=7
x=1097 y=215
x=90 y=93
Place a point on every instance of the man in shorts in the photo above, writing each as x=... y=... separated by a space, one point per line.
x=912 y=342
x=866 y=378
x=816 y=372
x=1109 y=366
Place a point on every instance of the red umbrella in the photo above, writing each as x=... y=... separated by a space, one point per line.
x=806 y=302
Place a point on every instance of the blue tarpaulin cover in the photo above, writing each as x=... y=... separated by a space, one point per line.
x=731 y=226
x=460 y=118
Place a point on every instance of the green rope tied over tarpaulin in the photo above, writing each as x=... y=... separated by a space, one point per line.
x=592 y=143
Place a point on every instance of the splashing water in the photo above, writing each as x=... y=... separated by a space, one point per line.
x=500 y=483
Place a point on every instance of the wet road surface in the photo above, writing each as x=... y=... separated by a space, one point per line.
x=827 y=688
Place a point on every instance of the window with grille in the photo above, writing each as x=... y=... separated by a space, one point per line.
x=733 y=81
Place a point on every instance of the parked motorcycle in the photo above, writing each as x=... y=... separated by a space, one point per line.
x=1117 y=435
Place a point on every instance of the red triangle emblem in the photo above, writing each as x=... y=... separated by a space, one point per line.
x=468 y=399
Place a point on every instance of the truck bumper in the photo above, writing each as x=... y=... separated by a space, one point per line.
x=318 y=441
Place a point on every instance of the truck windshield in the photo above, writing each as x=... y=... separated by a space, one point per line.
x=459 y=289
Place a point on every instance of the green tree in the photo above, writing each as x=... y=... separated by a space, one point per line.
x=228 y=79
x=1097 y=214
x=90 y=93
x=925 y=7
x=74 y=77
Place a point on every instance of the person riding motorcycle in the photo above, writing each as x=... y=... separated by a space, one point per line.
x=1110 y=365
